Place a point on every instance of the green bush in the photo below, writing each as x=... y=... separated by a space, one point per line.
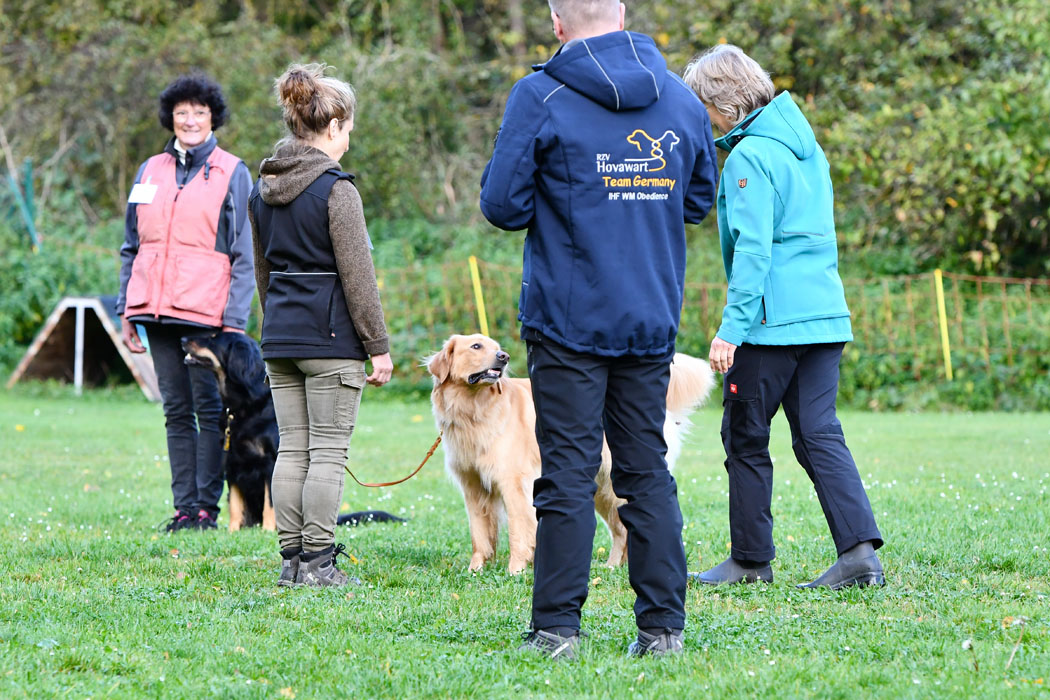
x=31 y=283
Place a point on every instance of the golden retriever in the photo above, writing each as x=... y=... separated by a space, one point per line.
x=491 y=452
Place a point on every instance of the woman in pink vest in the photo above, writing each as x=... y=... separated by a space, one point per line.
x=186 y=270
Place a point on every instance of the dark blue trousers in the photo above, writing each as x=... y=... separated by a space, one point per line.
x=804 y=379
x=579 y=397
x=192 y=417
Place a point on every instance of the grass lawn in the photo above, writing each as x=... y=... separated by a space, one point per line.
x=95 y=602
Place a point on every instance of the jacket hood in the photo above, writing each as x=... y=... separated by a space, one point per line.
x=620 y=70
x=780 y=120
x=291 y=170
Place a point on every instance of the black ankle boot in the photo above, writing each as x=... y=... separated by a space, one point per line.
x=734 y=571
x=857 y=566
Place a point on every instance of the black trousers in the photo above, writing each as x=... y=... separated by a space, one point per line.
x=804 y=379
x=192 y=417
x=579 y=397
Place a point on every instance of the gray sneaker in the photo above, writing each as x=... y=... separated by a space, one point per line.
x=319 y=569
x=289 y=567
x=667 y=642
x=554 y=646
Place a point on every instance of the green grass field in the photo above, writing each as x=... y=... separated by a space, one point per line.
x=95 y=602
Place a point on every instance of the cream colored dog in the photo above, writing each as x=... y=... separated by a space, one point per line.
x=489 y=427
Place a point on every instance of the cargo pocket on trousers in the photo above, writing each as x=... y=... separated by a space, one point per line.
x=348 y=398
x=744 y=429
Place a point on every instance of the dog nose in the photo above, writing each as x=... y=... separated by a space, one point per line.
x=502 y=356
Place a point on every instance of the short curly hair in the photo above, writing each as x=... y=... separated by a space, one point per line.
x=198 y=89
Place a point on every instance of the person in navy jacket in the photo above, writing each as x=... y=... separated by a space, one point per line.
x=603 y=155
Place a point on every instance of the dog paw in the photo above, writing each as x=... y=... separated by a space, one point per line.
x=516 y=568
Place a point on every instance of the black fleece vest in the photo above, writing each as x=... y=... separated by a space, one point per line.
x=306 y=315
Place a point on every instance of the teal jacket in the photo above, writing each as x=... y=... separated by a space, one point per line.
x=777 y=229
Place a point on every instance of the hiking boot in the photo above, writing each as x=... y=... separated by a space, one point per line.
x=205 y=521
x=289 y=567
x=733 y=571
x=668 y=641
x=857 y=566
x=319 y=569
x=553 y=646
x=180 y=521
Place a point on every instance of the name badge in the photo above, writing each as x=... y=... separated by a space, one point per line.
x=142 y=193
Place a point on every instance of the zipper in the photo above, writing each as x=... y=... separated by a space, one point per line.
x=167 y=247
x=293 y=274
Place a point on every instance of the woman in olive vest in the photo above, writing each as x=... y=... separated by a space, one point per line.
x=186 y=270
x=322 y=317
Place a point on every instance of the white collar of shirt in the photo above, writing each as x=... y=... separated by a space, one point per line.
x=182 y=151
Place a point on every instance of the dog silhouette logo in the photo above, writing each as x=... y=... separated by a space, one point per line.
x=656 y=147
x=742 y=182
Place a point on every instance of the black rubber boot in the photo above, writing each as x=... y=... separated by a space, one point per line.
x=858 y=566
x=733 y=571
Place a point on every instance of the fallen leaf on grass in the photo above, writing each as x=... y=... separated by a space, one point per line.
x=455 y=596
x=287 y=693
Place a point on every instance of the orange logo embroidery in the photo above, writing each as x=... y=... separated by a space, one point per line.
x=742 y=182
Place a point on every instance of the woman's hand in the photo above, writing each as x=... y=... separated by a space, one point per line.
x=130 y=335
x=721 y=355
x=382 y=369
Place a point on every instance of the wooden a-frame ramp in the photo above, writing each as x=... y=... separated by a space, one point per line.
x=80 y=342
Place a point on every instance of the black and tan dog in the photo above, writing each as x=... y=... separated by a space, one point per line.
x=251 y=426
x=252 y=438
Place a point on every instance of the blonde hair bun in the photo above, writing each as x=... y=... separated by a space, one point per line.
x=310 y=100
x=298 y=85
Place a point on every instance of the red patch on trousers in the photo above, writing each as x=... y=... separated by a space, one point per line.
x=732 y=389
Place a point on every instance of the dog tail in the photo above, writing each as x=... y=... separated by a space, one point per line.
x=691 y=382
x=368 y=516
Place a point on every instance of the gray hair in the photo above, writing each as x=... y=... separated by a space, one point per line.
x=582 y=14
x=729 y=80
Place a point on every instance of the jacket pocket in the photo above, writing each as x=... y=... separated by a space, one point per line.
x=143 y=272
x=804 y=282
x=202 y=283
x=299 y=308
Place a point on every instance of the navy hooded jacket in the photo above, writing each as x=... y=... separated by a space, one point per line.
x=604 y=155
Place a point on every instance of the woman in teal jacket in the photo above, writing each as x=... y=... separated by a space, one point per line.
x=784 y=324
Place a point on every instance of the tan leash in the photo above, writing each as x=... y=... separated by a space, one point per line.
x=392 y=483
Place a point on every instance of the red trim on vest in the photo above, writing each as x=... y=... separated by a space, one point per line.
x=177 y=271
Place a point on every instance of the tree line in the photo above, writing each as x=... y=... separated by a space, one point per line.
x=933 y=114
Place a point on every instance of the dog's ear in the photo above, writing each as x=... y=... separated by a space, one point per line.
x=440 y=363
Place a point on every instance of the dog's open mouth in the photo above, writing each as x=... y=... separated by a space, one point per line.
x=194 y=361
x=488 y=376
